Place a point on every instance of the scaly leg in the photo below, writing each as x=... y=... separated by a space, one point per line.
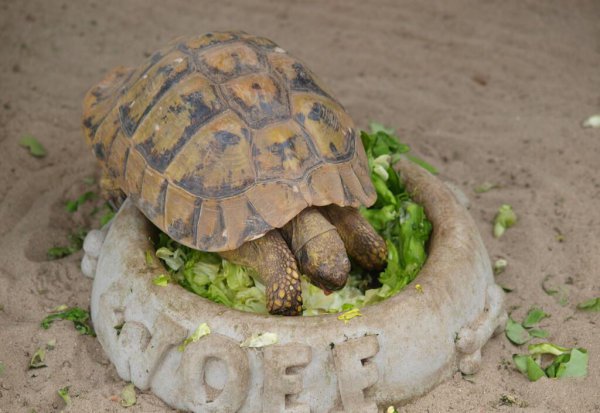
x=271 y=258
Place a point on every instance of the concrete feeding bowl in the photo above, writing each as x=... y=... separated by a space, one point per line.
x=397 y=350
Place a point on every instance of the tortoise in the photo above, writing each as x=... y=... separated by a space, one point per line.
x=229 y=144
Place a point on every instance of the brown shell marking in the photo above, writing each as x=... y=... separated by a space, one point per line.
x=282 y=150
x=323 y=118
x=296 y=74
x=100 y=99
x=217 y=161
x=175 y=120
x=222 y=137
x=258 y=98
x=142 y=95
x=229 y=61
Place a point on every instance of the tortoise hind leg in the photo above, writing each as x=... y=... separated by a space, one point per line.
x=270 y=256
x=362 y=242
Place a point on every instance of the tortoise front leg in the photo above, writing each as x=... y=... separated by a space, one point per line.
x=362 y=242
x=271 y=258
x=318 y=248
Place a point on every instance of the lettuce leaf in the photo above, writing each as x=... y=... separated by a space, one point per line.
x=401 y=221
x=79 y=317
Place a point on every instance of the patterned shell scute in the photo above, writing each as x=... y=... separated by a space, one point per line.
x=220 y=138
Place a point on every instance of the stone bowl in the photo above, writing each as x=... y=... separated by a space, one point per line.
x=396 y=351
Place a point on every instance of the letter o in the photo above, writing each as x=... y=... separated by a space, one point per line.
x=198 y=394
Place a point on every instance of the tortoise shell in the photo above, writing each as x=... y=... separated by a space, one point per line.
x=220 y=138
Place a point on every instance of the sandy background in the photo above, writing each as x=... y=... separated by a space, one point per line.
x=486 y=90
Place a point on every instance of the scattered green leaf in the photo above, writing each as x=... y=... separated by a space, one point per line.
x=527 y=365
x=534 y=316
x=538 y=333
x=75 y=244
x=520 y=333
x=73 y=205
x=506 y=289
x=51 y=344
x=499 y=266
x=547 y=348
x=162 y=280
x=516 y=333
x=37 y=360
x=78 y=316
x=202 y=330
x=35 y=147
x=505 y=218
x=128 y=396
x=591 y=122
x=149 y=258
x=575 y=366
x=2 y=368
x=566 y=362
x=260 y=340
x=349 y=315
x=391 y=409
x=107 y=215
x=592 y=304
x=64 y=394
x=55 y=253
x=89 y=180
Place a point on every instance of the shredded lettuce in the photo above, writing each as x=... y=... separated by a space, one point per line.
x=401 y=222
x=260 y=340
x=201 y=331
x=128 y=396
x=209 y=276
x=565 y=362
x=35 y=147
x=79 y=317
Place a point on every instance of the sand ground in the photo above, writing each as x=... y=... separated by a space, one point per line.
x=486 y=90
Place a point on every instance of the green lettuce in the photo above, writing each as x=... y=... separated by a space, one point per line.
x=210 y=276
x=401 y=221
x=79 y=317
x=565 y=362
